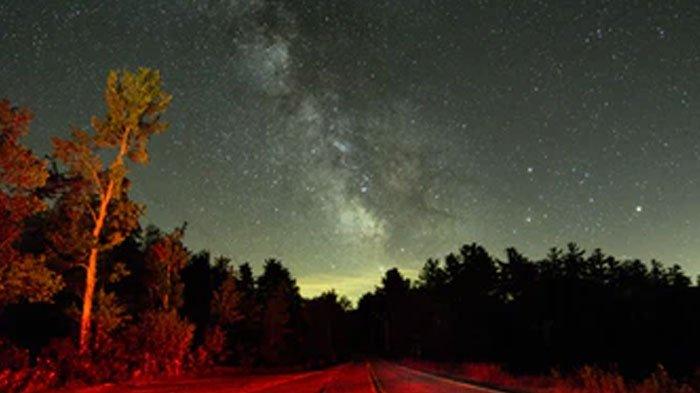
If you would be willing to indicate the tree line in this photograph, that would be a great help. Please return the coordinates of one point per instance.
(87, 294)
(565, 311)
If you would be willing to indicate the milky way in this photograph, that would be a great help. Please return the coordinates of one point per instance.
(346, 137)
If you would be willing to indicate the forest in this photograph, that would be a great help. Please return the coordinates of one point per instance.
(88, 294)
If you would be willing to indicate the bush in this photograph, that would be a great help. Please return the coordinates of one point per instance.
(215, 345)
(660, 381)
(488, 372)
(27, 380)
(16, 374)
(159, 344)
(210, 352)
(595, 380)
(12, 357)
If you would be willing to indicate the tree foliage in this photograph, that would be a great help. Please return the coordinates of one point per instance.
(166, 256)
(23, 276)
(226, 302)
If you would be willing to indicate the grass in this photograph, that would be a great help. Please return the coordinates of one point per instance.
(588, 379)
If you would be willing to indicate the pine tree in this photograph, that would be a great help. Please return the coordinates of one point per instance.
(166, 257)
(279, 298)
(134, 102)
(226, 302)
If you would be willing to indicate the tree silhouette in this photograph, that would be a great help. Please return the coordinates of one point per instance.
(566, 310)
(247, 332)
(327, 333)
(280, 304)
(199, 287)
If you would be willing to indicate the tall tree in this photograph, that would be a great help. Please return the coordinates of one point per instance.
(166, 256)
(397, 323)
(198, 278)
(279, 298)
(326, 332)
(246, 281)
(134, 103)
(22, 275)
(226, 302)
(248, 330)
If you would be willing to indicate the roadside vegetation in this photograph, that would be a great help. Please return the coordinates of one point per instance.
(587, 379)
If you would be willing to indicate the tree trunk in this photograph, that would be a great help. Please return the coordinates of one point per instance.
(86, 318)
(91, 271)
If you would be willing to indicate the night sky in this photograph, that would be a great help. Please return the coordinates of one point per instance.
(346, 137)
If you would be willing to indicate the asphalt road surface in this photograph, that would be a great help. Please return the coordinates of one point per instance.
(371, 377)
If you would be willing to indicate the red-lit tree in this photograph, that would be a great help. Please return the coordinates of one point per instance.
(22, 276)
(161, 339)
(166, 256)
(96, 201)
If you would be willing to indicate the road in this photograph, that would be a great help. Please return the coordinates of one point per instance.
(390, 378)
(371, 377)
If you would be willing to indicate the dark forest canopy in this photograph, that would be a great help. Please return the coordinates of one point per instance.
(156, 307)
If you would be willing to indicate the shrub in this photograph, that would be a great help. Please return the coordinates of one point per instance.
(159, 344)
(660, 381)
(595, 380)
(16, 374)
(487, 372)
(215, 344)
(210, 352)
(27, 380)
(12, 357)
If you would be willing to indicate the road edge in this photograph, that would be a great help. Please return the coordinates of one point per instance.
(374, 380)
(456, 379)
